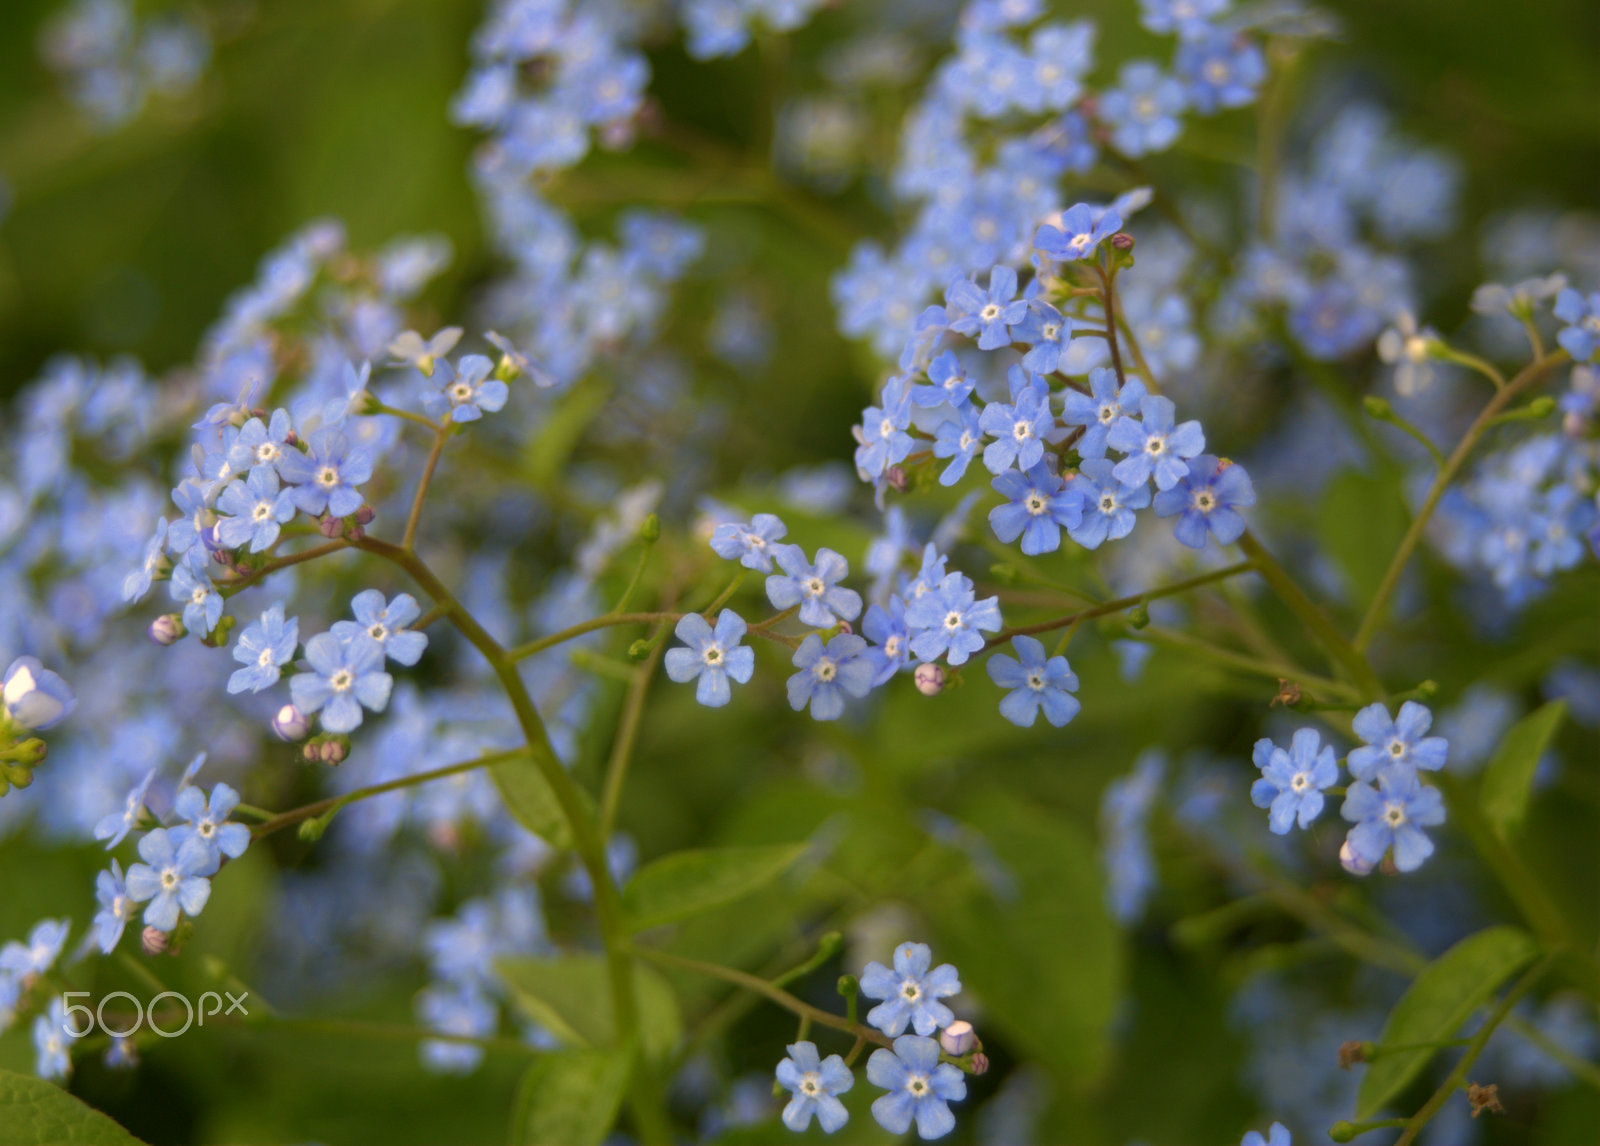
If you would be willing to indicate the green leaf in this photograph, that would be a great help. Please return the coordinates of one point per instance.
(570, 996)
(34, 1112)
(531, 800)
(1444, 995)
(689, 882)
(1509, 777)
(570, 1098)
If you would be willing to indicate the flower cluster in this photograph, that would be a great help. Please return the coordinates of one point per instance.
(112, 63)
(920, 1074)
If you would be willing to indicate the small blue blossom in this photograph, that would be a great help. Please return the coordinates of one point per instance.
(344, 678)
(1277, 1135)
(153, 564)
(1143, 109)
(25, 960)
(1080, 231)
(455, 1009)
(116, 908)
(172, 878)
(986, 314)
(1392, 816)
(828, 673)
(115, 826)
(958, 440)
(1107, 504)
(1045, 331)
(910, 992)
(1101, 408)
(1291, 782)
(1401, 744)
(326, 476)
(51, 1039)
(1186, 19)
(1154, 446)
(714, 656)
(1035, 683)
(951, 619)
(920, 1087)
(815, 1084)
(186, 535)
(815, 588)
(385, 622)
(1018, 431)
(264, 648)
(947, 383)
(466, 392)
(253, 511)
(882, 432)
(751, 544)
(1580, 337)
(410, 349)
(1207, 499)
(261, 445)
(1222, 70)
(890, 636)
(35, 698)
(207, 821)
(1124, 819)
(202, 604)
(1038, 506)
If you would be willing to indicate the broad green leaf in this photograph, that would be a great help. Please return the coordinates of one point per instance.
(570, 996)
(570, 1098)
(1444, 995)
(531, 801)
(1509, 778)
(34, 1112)
(689, 882)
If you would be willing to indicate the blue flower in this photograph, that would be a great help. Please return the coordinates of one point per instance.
(882, 432)
(1185, 18)
(202, 604)
(455, 1009)
(1401, 744)
(1154, 446)
(1581, 336)
(1107, 505)
(465, 392)
(172, 878)
(115, 827)
(814, 1082)
(958, 440)
(828, 673)
(261, 445)
(1038, 506)
(410, 349)
(950, 620)
(344, 678)
(1207, 498)
(1143, 110)
(385, 622)
(815, 588)
(51, 1038)
(750, 544)
(1291, 782)
(948, 382)
(116, 908)
(35, 698)
(713, 655)
(890, 636)
(326, 475)
(911, 992)
(1018, 431)
(1277, 1135)
(186, 535)
(986, 314)
(1392, 815)
(1036, 683)
(153, 564)
(1221, 70)
(1124, 817)
(1078, 234)
(207, 821)
(263, 649)
(23, 961)
(920, 1087)
(1101, 408)
(254, 510)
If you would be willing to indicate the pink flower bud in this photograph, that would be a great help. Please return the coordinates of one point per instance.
(290, 723)
(167, 630)
(958, 1038)
(929, 679)
(153, 941)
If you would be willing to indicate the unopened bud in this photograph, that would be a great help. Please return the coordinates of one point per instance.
(14, 776)
(167, 630)
(639, 649)
(1351, 862)
(848, 987)
(1138, 617)
(311, 753)
(980, 1063)
(365, 514)
(898, 480)
(1542, 406)
(334, 750)
(1377, 407)
(290, 724)
(153, 940)
(1353, 1051)
(843, 627)
(958, 1038)
(364, 403)
(929, 679)
(650, 531)
(1342, 1132)
(331, 527)
(29, 753)
(1122, 241)
(218, 637)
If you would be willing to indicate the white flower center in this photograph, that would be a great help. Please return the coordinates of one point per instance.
(1155, 444)
(1021, 431)
(199, 595)
(328, 476)
(990, 312)
(891, 647)
(825, 670)
(1397, 748)
(266, 453)
(266, 660)
(815, 587)
(1394, 815)
(917, 1084)
(1204, 501)
(1036, 680)
(712, 655)
(169, 879)
(952, 620)
(809, 1085)
(885, 428)
(1108, 503)
(1217, 71)
(1301, 781)
(460, 393)
(1036, 504)
(341, 680)
(378, 632)
(1079, 242)
(262, 511)
(909, 991)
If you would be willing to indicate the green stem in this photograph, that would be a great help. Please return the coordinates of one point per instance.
(1315, 620)
(1408, 544)
(1269, 669)
(605, 621)
(1475, 1048)
(638, 575)
(1108, 299)
(229, 588)
(408, 541)
(627, 736)
(1139, 363)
